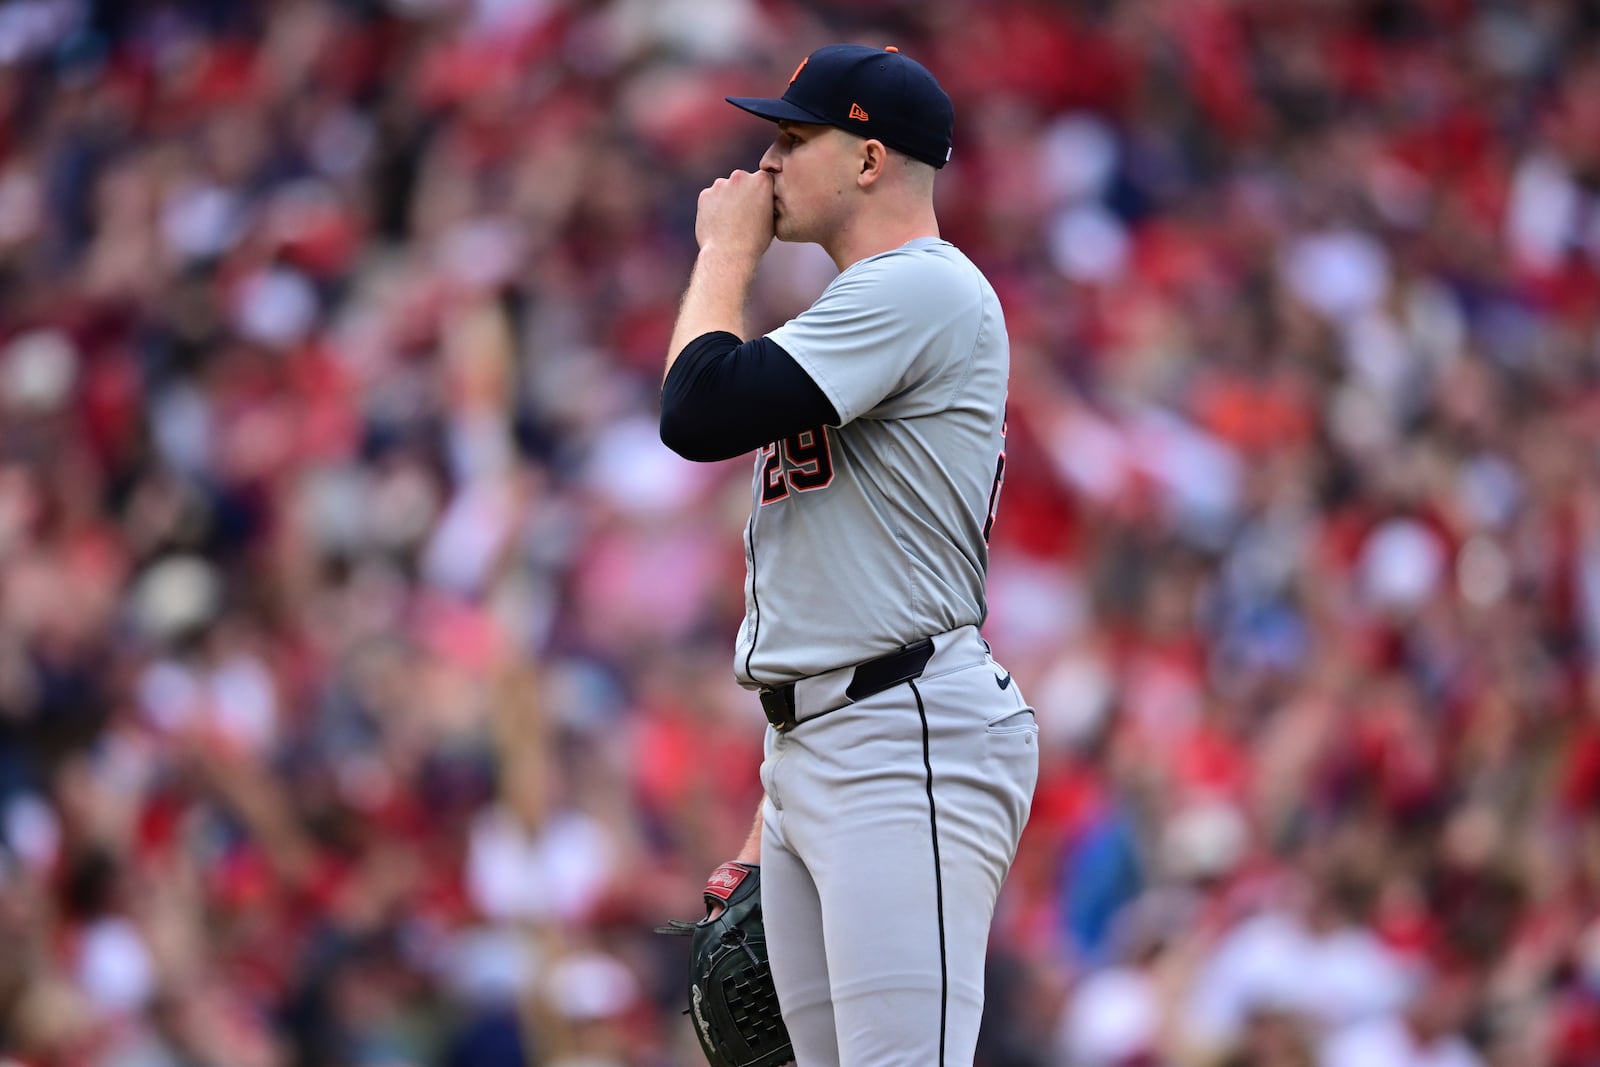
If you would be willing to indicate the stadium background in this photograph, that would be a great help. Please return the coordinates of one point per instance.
(364, 659)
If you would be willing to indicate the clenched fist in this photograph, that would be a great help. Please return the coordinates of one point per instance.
(735, 214)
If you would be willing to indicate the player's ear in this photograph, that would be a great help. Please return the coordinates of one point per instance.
(873, 159)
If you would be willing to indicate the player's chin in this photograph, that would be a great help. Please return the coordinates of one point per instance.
(785, 230)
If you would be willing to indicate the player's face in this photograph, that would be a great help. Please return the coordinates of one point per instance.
(813, 172)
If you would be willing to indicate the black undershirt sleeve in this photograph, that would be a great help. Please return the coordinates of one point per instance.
(723, 398)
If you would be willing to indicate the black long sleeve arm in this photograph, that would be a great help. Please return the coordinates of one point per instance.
(723, 398)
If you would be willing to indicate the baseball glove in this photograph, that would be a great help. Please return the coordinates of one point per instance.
(731, 997)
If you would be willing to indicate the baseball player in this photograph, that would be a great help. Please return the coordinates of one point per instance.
(900, 759)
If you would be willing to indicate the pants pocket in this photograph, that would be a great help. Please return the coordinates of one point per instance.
(1013, 722)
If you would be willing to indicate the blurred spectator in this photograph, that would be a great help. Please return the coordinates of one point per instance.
(1426, 1034)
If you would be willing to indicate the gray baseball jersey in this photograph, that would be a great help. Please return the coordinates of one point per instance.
(870, 535)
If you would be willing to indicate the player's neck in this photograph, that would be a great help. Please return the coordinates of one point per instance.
(870, 238)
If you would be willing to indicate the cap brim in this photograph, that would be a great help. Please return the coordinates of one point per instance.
(775, 110)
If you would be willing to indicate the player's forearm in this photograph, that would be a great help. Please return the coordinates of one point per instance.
(751, 852)
(714, 300)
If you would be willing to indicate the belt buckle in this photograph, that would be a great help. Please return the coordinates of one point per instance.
(779, 707)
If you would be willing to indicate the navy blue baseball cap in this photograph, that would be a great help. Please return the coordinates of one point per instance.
(871, 92)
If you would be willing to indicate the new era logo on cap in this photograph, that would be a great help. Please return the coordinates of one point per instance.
(871, 92)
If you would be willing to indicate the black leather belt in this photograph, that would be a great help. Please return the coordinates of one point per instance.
(873, 676)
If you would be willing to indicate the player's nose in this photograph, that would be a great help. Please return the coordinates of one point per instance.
(769, 159)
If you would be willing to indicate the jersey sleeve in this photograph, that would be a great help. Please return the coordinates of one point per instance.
(723, 398)
(889, 337)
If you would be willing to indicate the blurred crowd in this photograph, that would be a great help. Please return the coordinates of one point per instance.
(365, 661)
